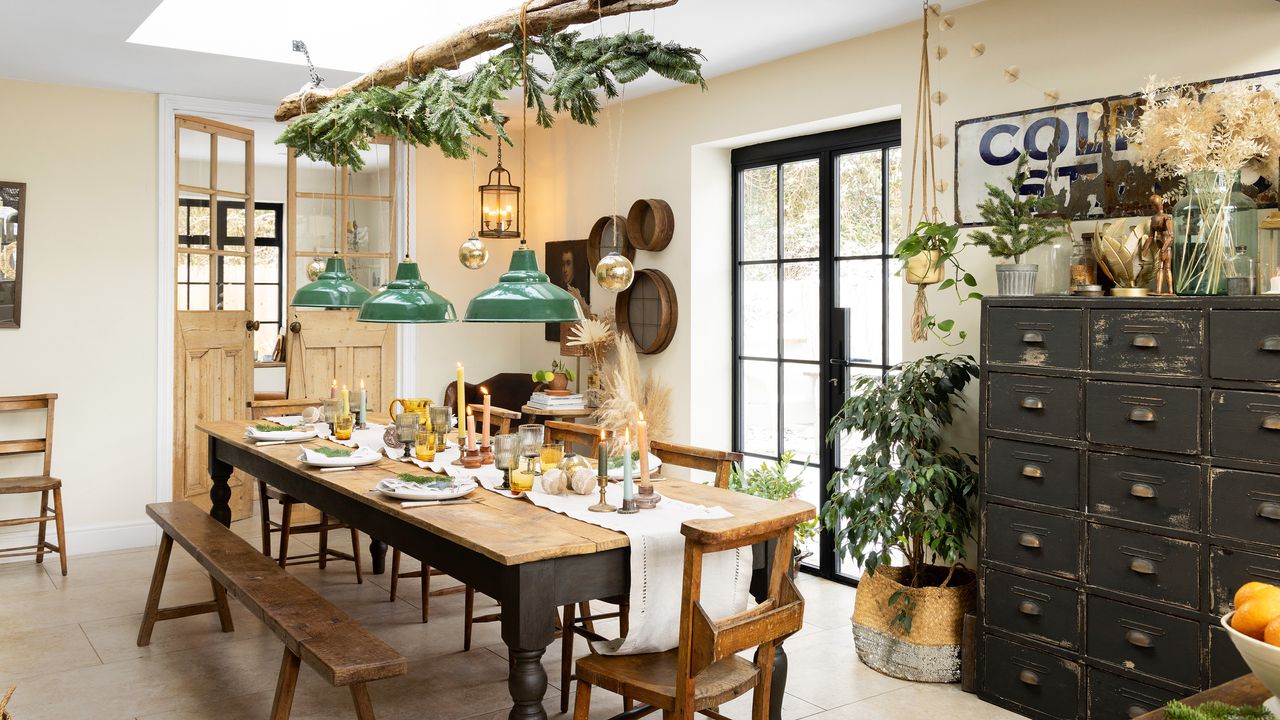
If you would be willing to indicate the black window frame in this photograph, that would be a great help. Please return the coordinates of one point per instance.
(833, 362)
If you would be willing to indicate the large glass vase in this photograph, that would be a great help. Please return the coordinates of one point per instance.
(1208, 223)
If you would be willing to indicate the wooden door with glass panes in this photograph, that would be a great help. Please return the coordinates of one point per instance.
(353, 214)
(214, 327)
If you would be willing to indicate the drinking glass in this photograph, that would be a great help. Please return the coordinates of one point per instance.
(522, 475)
(505, 452)
(342, 426)
(424, 445)
(332, 409)
(531, 439)
(551, 454)
(407, 427)
(441, 421)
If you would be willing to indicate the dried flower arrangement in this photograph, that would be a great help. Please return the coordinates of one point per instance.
(1187, 128)
(627, 393)
(594, 334)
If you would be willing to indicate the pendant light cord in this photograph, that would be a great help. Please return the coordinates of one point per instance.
(335, 202)
(407, 147)
(615, 141)
(524, 120)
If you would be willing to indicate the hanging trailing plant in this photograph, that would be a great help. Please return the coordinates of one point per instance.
(451, 111)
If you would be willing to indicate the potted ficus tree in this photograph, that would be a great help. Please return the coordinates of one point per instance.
(1018, 224)
(907, 497)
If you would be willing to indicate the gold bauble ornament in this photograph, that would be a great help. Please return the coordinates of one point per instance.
(314, 268)
(614, 272)
(473, 254)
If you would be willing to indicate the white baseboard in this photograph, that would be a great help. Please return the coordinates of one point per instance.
(92, 539)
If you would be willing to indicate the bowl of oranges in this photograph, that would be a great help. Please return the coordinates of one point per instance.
(1254, 627)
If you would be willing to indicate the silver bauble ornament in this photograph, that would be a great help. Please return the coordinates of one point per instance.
(614, 272)
(314, 268)
(473, 254)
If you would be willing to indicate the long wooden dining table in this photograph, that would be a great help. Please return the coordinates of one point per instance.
(530, 559)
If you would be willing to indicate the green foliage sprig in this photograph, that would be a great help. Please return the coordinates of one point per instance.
(1215, 711)
(943, 238)
(452, 111)
(905, 491)
(1018, 224)
(333, 452)
(773, 481)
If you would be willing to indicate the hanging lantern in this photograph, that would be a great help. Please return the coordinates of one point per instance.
(473, 254)
(615, 272)
(499, 204)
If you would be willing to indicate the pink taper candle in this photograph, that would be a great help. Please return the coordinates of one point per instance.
(333, 389)
(642, 442)
(485, 423)
(471, 430)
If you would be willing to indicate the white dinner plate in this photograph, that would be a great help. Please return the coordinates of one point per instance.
(451, 488)
(301, 434)
(654, 464)
(358, 458)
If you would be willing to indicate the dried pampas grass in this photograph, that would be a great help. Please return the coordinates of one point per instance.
(627, 394)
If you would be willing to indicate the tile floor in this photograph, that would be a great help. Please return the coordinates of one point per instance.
(69, 645)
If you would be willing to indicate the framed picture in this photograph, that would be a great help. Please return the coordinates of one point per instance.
(12, 221)
(568, 267)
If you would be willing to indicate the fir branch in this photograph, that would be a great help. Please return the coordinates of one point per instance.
(1018, 223)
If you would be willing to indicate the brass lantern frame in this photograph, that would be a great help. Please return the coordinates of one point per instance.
(499, 204)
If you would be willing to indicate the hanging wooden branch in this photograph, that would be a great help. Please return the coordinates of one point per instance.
(544, 16)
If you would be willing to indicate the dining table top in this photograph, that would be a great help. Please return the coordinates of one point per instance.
(511, 531)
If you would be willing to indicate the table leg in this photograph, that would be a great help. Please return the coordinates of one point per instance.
(528, 627)
(528, 684)
(220, 488)
(377, 555)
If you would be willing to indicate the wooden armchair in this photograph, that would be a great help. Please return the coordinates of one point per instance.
(507, 390)
(719, 462)
(500, 419)
(705, 671)
(582, 439)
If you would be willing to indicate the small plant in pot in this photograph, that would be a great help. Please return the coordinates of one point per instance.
(1018, 224)
(772, 481)
(925, 254)
(907, 496)
(557, 378)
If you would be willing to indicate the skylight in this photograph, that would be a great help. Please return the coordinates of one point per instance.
(340, 35)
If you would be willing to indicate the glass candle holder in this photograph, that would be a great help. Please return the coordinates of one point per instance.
(424, 445)
(342, 426)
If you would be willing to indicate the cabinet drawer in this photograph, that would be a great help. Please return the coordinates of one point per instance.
(1246, 425)
(1145, 641)
(1038, 610)
(1112, 697)
(1145, 565)
(1042, 474)
(1232, 568)
(1244, 344)
(1225, 663)
(1036, 541)
(1245, 506)
(1041, 405)
(1147, 342)
(1154, 417)
(1041, 338)
(1157, 492)
(1034, 679)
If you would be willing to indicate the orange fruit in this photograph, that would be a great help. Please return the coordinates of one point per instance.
(1272, 634)
(1250, 589)
(1256, 613)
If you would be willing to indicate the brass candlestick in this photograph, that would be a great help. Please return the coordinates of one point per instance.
(602, 506)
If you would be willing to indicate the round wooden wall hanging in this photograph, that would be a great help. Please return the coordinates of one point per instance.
(609, 234)
(650, 225)
(647, 311)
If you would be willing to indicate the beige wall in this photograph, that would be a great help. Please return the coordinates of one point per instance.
(89, 301)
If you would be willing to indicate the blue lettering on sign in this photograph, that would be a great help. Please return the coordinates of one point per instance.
(1073, 172)
(1030, 144)
(1035, 186)
(1083, 146)
(984, 145)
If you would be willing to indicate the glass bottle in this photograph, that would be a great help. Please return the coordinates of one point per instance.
(1240, 275)
(1084, 266)
(1208, 223)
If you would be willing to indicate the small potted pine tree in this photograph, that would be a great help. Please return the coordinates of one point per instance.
(1018, 224)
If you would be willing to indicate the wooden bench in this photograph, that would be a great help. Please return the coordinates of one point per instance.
(312, 628)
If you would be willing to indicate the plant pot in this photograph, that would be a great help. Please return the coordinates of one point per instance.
(924, 269)
(1016, 280)
(559, 382)
(931, 652)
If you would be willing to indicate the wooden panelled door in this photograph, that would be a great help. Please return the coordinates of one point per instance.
(213, 344)
(354, 214)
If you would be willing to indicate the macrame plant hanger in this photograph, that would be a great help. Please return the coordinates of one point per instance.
(922, 155)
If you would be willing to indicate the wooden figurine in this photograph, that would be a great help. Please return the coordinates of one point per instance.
(1162, 243)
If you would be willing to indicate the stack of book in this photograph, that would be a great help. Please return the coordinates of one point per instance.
(543, 401)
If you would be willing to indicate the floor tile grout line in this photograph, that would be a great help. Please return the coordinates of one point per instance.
(92, 647)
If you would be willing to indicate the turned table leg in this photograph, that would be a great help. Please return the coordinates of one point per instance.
(528, 628)
(377, 556)
(220, 488)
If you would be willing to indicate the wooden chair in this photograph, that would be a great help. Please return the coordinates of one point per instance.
(705, 670)
(719, 462)
(500, 419)
(582, 439)
(44, 483)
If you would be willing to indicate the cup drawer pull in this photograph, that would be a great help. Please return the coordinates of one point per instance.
(1271, 422)
(1270, 344)
(1145, 341)
(1142, 490)
(1029, 678)
(1032, 470)
(1269, 510)
(1031, 402)
(1029, 540)
(1137, 638)
(1142, 414)
(1142, 566)
(1029, 607)
(1032, 337)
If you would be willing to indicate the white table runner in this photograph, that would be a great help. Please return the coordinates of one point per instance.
(657, 567)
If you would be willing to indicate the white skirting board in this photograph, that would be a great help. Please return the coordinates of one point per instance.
(86, 540)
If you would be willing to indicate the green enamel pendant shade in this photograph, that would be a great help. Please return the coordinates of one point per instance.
(523, 294)
(334, 289)
(407, 299)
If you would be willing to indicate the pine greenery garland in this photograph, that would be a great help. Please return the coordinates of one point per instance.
(1017, 224)
(452, 111)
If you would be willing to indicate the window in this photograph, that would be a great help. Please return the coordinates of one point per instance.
(268, 271)
(815, 298)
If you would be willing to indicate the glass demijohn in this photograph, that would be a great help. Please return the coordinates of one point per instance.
(1208, 224)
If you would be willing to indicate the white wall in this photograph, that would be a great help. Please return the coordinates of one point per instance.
(88, 303)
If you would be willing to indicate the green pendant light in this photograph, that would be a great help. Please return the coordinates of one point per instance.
(407, 299)
(524, 294)
(335, 289)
